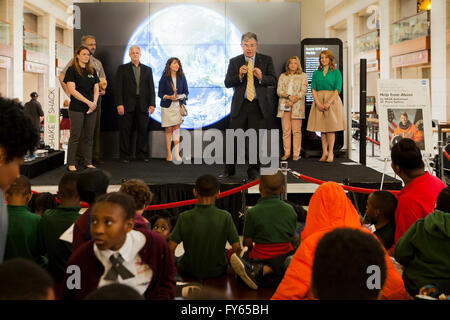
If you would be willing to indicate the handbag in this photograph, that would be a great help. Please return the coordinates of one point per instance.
(183, 110)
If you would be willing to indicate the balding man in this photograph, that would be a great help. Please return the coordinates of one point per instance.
(135, 99)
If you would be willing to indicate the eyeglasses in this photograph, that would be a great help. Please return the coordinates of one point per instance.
(246, 46)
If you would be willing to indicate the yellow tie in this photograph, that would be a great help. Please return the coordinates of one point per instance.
(250, 84)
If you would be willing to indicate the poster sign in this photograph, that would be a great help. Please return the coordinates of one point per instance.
(51, 120)
(404, 112)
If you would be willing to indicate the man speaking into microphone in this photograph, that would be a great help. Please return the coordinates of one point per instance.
(249, 75)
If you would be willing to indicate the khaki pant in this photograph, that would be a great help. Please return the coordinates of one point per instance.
(294, 125)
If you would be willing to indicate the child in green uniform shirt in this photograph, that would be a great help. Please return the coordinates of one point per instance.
(56, 221)
(269, 229)
(204, 232)
(25, 237)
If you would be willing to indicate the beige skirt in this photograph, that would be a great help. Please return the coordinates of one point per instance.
(327, 121)
(171, 116)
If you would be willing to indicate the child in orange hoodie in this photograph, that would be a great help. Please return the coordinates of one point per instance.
(329, 208)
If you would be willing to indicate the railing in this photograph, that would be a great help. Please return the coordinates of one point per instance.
(34, 42)
(368, 41)
(63, 52)
(412, 27)
(4, 32)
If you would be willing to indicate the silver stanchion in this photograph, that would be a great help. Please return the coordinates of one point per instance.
(284, 170)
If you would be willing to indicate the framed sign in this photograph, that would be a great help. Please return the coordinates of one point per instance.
(404, 112)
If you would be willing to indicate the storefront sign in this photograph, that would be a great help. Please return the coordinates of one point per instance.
(51, 122)
(5, 62)
(411, 59)
(33, 67)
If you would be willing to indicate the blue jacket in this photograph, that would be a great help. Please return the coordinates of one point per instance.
(165, 88)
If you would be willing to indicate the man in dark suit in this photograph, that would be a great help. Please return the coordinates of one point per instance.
(135, 99)
(249, 75)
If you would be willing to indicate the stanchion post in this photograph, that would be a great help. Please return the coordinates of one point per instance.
(284, 170)
(362, 110)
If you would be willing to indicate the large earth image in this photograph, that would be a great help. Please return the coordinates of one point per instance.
(204, 40)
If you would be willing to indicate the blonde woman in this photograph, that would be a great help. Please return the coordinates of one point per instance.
(292, 86)
(327, 112)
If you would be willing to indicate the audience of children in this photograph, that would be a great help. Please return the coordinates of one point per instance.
(117, 253)
(424, 249)
(329, 208)
(120, 258)
(41, 202)
(22, 279)
(417, 199)
(380, 211)
(269, 229)
(25, 235)
(342, 265)
(204, 231)
(56, 221)
(91, 184)
(14, 145)
(142, 196)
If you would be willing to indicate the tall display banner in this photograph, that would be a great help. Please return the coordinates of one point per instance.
(51, 120)
(404, 112)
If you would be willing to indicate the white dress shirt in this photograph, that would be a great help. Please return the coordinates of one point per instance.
(132, 261)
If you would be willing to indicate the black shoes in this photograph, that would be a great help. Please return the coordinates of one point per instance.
(248, 272)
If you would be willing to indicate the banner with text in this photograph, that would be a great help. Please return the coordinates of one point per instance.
(51, 119)
(404, 112)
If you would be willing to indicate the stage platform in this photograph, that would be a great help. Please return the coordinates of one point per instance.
(170, 182)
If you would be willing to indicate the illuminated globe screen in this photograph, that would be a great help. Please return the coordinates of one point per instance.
(204, 54)
(204, 36)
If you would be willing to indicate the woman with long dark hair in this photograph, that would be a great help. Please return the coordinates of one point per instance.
(82, 82)
(173, 91)
(327, 111)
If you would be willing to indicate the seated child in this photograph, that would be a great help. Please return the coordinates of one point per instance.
(424, 248)
(91, 184)
(270, 225)
(163, 223)
(301, 219)
(118, 254)
(142, 196)
(56, 221)
(341, 263)
(23, 279)
(25, 238)
(380, 212)
(44, 201)
(204, 232)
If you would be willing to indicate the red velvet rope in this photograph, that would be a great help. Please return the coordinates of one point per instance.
(447, 155)
(373, 141)
(348, 188)
(194, 201)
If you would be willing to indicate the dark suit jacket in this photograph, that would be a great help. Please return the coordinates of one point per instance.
(125, 88)
(269, 78)
(165, 88)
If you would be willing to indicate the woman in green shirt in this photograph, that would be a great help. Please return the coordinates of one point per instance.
(327, 112)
